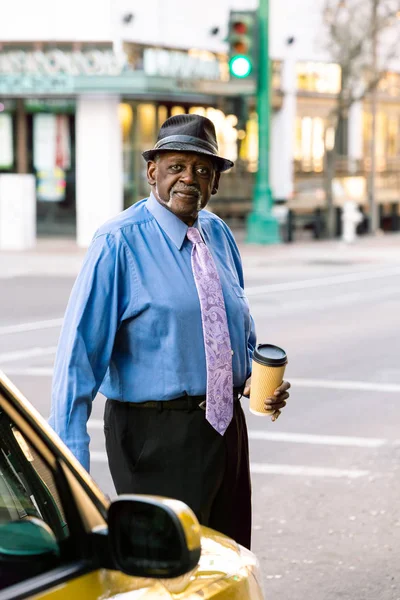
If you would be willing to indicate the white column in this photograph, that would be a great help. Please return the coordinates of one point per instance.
(99, 177)
(283, 123)
(17, 212)
(355, 134)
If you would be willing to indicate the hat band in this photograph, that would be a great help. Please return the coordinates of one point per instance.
(188, 139)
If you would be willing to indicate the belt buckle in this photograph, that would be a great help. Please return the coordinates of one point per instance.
(202, 405)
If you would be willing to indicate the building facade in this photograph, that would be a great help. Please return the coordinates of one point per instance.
(84, 91)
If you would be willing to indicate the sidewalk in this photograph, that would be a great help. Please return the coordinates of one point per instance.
(62, 257)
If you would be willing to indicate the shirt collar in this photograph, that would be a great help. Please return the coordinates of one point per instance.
(175, 229)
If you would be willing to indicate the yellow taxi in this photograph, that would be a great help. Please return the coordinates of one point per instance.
(61, 538)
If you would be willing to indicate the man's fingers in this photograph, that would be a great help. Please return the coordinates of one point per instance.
(246, 391)
(285, 385)
(279, 398)
(276, 405)
(275, 415)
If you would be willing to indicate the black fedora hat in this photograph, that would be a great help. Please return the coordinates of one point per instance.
(189, 133)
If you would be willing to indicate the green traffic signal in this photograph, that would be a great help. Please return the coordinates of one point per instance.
(240, 66)
(242, 43)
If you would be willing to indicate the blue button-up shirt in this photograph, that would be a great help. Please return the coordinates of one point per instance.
(132, 328)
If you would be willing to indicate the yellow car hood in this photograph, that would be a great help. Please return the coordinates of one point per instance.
(226, 571)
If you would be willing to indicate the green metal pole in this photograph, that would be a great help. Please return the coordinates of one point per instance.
(262, 226)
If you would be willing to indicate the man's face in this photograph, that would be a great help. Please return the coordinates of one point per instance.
(183, 182)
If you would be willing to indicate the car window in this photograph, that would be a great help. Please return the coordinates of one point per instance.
(32, 522)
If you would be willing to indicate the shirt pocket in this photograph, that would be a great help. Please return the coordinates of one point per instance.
(243, 304)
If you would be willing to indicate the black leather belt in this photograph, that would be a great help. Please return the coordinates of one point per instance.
(188, 403)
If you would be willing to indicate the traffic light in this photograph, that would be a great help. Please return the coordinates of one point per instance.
(242, 40)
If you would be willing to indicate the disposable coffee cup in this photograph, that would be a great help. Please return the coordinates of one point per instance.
(269, 363)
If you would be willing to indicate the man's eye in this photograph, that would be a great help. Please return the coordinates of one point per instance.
(175, 167)
(203, 171)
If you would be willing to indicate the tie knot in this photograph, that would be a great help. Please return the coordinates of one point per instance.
(193, 235)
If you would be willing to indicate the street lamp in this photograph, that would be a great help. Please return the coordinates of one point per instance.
(262, 226)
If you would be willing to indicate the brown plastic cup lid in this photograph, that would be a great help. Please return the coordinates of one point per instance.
(270, 355)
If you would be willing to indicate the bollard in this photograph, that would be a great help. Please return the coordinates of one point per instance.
(394, 213)
(351, 217)
(381, 216)
(318, 224)
(338, 218)
(290, 224)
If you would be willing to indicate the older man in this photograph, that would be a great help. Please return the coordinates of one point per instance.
(158, 322)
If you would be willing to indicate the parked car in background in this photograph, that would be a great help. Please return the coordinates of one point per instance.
(62, 538)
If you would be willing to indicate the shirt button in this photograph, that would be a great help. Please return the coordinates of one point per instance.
(232, 352)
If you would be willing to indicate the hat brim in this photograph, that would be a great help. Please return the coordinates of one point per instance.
(222, 164)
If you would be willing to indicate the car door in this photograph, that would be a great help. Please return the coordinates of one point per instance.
(58, 540)
(46, 517)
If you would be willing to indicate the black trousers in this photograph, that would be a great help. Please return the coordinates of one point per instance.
(176, 453)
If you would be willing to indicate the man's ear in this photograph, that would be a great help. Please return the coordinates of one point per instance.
(216, 183)
(151, 172)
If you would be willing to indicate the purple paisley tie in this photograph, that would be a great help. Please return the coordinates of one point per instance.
(219, 405)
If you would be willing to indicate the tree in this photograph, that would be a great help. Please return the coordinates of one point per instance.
(355, 42)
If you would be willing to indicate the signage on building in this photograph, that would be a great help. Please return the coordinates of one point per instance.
(25, 84)
(58, 72)
(56, 62)
(50, 105)
(24, 72)
(183, 65)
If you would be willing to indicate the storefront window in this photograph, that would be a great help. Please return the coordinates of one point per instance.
(6, 141)
(309, 143)
(367, 124)
(197, 110)
(177, 110)
(322, 78)
(393, 136)
(146, 120)
(126, 121)
(225, 127)
(162, 115)
(381, 140)
(387, 137)
(51, 155)
(226, 132)
(51, 158)
(249, 143)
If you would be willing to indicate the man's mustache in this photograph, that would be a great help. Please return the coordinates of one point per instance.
(187, 189)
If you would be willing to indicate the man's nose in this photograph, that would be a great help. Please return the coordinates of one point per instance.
(188, 175)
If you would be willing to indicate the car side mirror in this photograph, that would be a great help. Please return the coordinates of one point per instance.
(153, 536)
(29, 537)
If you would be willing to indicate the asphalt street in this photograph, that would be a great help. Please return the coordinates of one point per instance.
(326, 474)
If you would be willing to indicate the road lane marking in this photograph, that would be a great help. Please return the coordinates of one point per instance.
(325, 440)
(319, 282)
(304, 471)
(320, 304)
(332, 384)
(31, 326)
(250, 291)
(336, 384)
(95, 423)
(276, 469)
(296, 438)
(98, 457)
(30, 372)
(29, 353)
